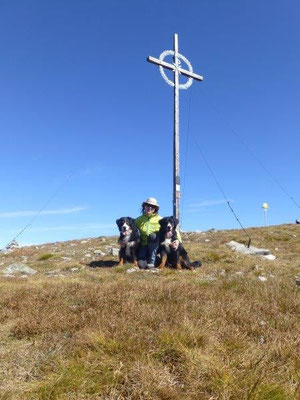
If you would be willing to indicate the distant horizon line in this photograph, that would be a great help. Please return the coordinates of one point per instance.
(182, 231)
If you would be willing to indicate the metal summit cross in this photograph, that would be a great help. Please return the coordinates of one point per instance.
(176, 68)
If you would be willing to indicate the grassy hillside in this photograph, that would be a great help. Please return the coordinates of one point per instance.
(82, 328)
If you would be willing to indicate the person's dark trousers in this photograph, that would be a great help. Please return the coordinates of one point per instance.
(147, 253)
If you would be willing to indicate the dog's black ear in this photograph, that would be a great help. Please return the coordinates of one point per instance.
(161, 221)
(176, 221)
(118, 221)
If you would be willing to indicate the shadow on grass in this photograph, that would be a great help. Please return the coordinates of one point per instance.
(103, 264)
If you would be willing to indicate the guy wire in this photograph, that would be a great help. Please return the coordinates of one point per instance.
(242, 140)
(222, 191)
(42, 208)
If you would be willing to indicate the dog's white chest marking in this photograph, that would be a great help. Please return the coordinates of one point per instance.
(166, 243)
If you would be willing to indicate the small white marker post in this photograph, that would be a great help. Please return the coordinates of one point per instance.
(265, 207)
(176, 68)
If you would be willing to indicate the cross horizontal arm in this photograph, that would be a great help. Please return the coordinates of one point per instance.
(156, 61)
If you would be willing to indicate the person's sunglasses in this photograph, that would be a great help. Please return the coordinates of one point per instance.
(150, 206)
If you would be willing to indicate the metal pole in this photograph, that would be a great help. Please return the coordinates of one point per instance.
(176, 178)
(265, 215)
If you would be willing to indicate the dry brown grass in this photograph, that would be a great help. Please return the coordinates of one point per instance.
(100, 333)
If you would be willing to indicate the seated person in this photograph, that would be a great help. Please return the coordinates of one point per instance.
(148, 225)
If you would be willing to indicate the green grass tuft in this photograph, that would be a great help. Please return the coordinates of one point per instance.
(44, 257)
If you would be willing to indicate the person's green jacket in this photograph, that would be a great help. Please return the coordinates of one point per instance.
(148, 225)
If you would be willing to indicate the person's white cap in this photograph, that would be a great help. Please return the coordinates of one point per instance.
(152, 201)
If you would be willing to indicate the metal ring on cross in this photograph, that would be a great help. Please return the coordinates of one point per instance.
(181, 57)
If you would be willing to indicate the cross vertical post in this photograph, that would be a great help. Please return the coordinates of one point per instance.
(176, 171)
(176, 69)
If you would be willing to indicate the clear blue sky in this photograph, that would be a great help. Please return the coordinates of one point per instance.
(77, 97)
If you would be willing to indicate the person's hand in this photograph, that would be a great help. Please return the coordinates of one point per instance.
(152, 237)
(175, 244)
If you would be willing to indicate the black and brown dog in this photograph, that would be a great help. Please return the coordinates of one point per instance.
(177, 258)
(129, 240)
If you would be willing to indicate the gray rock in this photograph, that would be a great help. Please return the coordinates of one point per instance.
(99, 252)
(261, 340)
(297, 280)
(270, 257)
(239, 273)
(12, 245)
(18, 268)
(114, 252)
(241, 248)
(262, 278)
(130, 270)
(153, 270)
